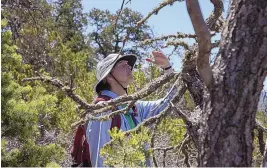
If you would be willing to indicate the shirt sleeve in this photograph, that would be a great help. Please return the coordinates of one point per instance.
(146, 109)
(97, 135)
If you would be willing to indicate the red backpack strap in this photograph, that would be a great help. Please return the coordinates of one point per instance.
(116, 120)
(80, 151)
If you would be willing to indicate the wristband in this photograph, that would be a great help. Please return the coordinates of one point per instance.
(167, 68)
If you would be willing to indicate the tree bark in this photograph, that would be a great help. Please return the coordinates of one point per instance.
(264, 161)
(228, 119)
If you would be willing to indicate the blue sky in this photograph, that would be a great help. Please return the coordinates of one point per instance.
(169, 20)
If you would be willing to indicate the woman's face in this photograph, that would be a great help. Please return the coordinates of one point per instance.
(122, 71)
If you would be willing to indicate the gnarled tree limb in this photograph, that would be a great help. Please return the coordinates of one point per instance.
(165, 38)
(139, 95)
(67, 90)
(204, 41)
(215, 20)
(264, 161)
(114, 102)
(177, 43)
(156, 10)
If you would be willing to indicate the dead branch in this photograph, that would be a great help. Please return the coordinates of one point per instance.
(124, 110)
(150, 120)
(264, 161)
(180, 92)
(156, 10)
(107, 117)
(183, 149)
(204, 41)
(215, 44)
(104, 118)
(139, 95)
(186, 157)
(165, 38)
(164, 158)
(177, 43)
(185, 141)
(183, 116)
(117, 18)
(260, 126)
(114, 102)
(167, 148)
(261, 141)
(152, 142)
(192, 122)
(215, 21)
(67, 90)
(145, 123)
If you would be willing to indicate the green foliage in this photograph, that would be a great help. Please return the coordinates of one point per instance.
(130, 151)
(189, 103)
(141, 80)
(261, 116)
(66, 115)
(107, 39)
(52, 164)
(31, 155)
(174, 128)
(48, 37)
(22, 109)
(71, 22)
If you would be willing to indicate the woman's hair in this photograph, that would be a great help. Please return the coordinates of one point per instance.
(104, 85)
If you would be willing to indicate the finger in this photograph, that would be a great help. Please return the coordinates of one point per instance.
(150, 60)
(161, 54)
(155, 53)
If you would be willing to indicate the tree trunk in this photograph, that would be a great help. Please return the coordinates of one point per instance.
(226, 129)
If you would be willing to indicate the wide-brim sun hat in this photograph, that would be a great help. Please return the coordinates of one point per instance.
(105, 66)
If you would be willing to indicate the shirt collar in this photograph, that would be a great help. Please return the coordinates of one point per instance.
(112, 95)
(109, 93)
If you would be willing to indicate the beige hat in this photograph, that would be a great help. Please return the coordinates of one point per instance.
(105, 66)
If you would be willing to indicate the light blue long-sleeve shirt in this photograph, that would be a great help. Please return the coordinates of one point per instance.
(97, 132)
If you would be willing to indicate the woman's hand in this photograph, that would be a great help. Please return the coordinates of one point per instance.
(159, 59)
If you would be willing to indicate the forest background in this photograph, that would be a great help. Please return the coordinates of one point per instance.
(65, 39)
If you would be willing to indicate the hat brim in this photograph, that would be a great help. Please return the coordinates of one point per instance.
(131, 58)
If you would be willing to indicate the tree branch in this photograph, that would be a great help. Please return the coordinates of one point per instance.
(183, 149)
(124, 110)
(260, 126)
(204, 41)
(177, 43)
(215, 44)
(215, 20)
(104, 105)
(261, 142)
(117, 18)
(67, 90)
(139, 95)
(106, 117)
(152, 143)
(145, 123)
(156, 10)
(99, 44)
(165, 38)
(184, 117)
(264, 161)
(180, 91)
